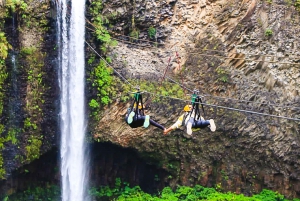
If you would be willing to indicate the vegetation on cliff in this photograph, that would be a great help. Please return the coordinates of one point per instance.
(4, 46)
(101, 83)
(123, 192)
(26, 34)
(181, 193)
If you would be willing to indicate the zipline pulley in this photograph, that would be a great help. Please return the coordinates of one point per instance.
(137, 104)
(195, 100)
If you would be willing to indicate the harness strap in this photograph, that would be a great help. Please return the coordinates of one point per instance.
(195, 103)
(137, 98)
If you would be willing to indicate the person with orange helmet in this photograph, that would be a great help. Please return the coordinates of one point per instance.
(188, 120)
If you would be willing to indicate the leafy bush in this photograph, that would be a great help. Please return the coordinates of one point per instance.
(16, 5)
(103, 79)
(182, 193)
(268, 195)
(134, 34)
(99, 21)
(268, 32)
(48, 193)
(123, 192)
(297, 5)
(4, 46)
(151, 32)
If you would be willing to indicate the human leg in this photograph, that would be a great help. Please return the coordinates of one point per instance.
(130, 117)
(189, 126)
(205, 123)
(200, 124)
(154, 123)
(212, 125)
(146, 122)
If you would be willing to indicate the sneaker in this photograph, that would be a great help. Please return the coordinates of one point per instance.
(212, 125)
(147, 121)
(130, 117)
(189, 126)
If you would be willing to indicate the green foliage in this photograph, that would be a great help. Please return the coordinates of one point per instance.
(123, 192)
(16, 5)
(103, 82)
(268, 32)
(91, 60)
(33, 148)
(268, 195)
(165, 89)
(95, 107)
(28, 50)
(29, 125)
(48, 193)
(94, 104)
(224, 175)
(101, 77)
(12, 135)
(4, 46)
(151, 32)
(2, 170)
(134, 34)
(297, 5)
(105, 191)
(222, 74)
(3, 76)
(34, 101)
(99, 21)
(182, 193)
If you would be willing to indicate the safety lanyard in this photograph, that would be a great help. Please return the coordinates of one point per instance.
(137, 98)
(195, 103)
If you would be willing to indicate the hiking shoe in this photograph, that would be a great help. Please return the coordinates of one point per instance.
(147, 121)
(212, 125)
(130, 117)
(189, 126)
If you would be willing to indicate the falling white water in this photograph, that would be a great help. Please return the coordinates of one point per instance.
(71, 63)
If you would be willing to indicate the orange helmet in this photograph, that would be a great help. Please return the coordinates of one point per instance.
(140, 105)
(187, 108)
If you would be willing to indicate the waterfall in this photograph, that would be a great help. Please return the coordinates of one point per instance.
(71, 26)
(14, 100)
(14, 91)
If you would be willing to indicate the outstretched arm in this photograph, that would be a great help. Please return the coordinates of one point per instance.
(177, 124)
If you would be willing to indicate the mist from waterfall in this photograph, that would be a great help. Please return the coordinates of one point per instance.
(71, 27)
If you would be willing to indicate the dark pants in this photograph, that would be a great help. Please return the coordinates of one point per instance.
(138, 121)
(200, 124)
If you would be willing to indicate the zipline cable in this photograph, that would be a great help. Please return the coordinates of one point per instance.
(119, 74)
(109, 64)
(270, 104)
(157, 44)
(217, 97)
(227, 108)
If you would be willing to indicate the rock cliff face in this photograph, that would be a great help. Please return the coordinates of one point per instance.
(239, 54)
(29, 116)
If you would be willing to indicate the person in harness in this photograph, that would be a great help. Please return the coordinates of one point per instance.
(192, 119)
(136, 117)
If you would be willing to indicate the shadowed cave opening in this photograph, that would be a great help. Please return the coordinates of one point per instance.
(107, 162)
